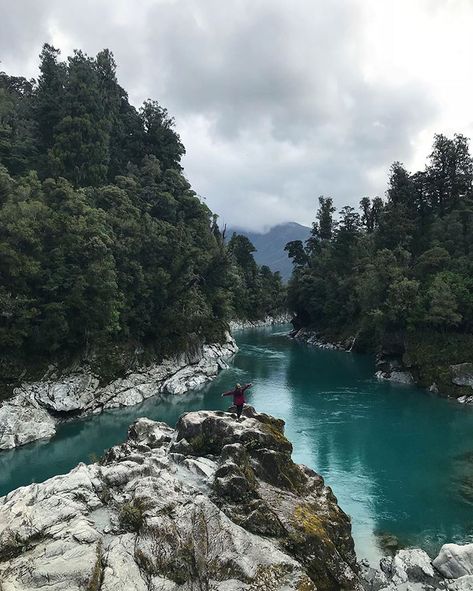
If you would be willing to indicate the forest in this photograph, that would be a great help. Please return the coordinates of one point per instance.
(400, 266)
(102, 238)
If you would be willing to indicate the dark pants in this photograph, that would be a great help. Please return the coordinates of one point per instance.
(239, 408)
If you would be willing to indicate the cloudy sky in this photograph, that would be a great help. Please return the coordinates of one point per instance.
(277, 101)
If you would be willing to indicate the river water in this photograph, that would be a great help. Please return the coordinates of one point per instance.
(399, 460)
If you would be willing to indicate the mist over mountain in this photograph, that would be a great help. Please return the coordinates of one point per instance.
(270, 245)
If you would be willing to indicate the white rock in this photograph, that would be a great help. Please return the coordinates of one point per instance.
(121, 572)
(411, 565)
(465, 399)
(455, 561)
(148, 518)
(462, 584)
(462, 374)
(71, 394)
(22, 420)
(268, 321)
(399, 377)
(25, 416)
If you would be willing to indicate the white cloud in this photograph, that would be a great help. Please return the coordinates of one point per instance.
(277, 102)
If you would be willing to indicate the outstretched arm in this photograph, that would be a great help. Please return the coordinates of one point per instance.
(246, 387)
(229, 393)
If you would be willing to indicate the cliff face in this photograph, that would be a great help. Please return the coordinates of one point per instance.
(36, 407)
(212, 504)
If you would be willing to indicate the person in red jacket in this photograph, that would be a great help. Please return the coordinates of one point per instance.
(238, 396)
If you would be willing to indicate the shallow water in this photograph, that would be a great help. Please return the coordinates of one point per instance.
(399, 460)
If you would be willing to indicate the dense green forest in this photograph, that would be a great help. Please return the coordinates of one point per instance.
(400, 266)
(102, 238)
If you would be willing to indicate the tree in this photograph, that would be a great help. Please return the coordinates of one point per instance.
(324, 226)
(403, 265)
(442, 305)
(81, 138)
(49, 97)
(295, 251)
(402, 301)
(18, 148)
(160, 139)
(400, 189)
(371, 210)
(449, 175)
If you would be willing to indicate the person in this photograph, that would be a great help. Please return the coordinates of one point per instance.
(238, 394)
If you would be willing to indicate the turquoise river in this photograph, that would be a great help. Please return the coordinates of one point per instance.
(399, 460)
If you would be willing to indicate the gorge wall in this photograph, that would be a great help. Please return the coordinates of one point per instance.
(36, 407)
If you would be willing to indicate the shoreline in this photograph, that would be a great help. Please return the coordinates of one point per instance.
(409, 566)
(268, 321)
(388, 368)
(36, 408)
(201, 464)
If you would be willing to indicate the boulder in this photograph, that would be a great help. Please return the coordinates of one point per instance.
(411, 565)
(455, 561)
(409, 570)
(399, 377)
(462, 584)
(462, 374)
(465, 399)
(23, 420)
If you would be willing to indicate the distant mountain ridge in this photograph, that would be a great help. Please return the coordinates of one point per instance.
(270, 245)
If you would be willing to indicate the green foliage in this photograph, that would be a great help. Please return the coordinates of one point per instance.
(104, 246)
(76, 122)
(131, 515)
(80, 267)
(404, 264)
(256, 292)
(17, 127)
(432, 352)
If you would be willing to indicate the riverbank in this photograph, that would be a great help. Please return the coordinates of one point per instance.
(443, 365)
(214, 502)
(36, 408)
(268, 321)
(357, 431)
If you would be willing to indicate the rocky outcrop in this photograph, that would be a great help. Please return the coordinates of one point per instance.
(455, 561)
(23, 419)
(322, 342)
(390, 364)
(216, 503)
(268, 321)
(412, 570)
(393, 374)
(462, 374)
(36, 407)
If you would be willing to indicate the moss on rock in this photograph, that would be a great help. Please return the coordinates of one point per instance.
(430, 355)
(307, 520)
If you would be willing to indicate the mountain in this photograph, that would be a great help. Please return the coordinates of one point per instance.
(270, 245)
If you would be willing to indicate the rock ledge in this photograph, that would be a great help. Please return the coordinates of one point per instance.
(213, 504)
(36, 407)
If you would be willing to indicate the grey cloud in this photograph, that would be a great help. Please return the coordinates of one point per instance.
(22, 27)
(269, 96)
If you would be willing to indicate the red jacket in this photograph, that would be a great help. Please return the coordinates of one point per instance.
(238, 394)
